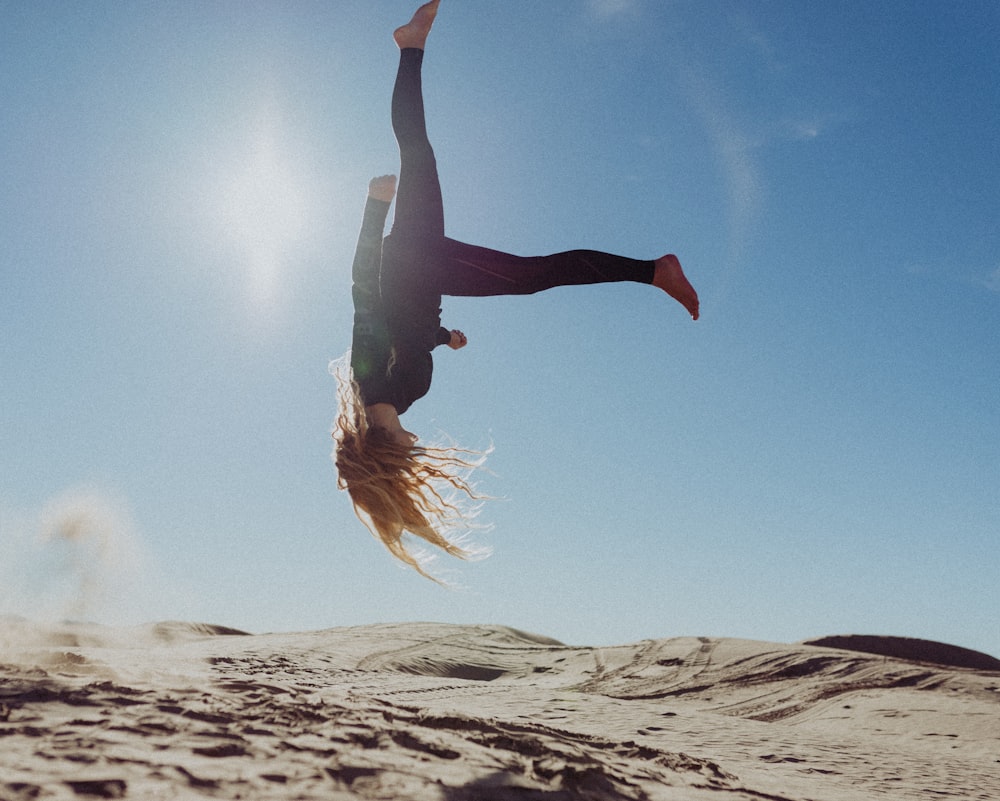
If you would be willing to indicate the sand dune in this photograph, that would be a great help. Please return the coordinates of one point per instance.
(431, 711)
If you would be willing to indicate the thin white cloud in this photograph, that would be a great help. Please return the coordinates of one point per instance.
(806, 129)
(799, 126)
(756, 40)
(952, 273)
(734, 150)
(809, 125)
(606, 9)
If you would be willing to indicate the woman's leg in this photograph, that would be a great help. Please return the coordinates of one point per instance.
(456, 268)
(419, 209)
(468, 270)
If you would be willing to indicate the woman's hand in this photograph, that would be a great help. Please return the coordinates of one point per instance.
(382, 188)
(458, 340)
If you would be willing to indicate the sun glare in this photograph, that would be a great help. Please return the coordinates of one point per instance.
(263, 205)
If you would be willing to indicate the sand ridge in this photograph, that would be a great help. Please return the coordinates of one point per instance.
(425, 710)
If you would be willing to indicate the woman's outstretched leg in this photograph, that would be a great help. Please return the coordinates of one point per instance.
(419, 208)
(457, 268)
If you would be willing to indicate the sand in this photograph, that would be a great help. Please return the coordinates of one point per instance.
(432, 711)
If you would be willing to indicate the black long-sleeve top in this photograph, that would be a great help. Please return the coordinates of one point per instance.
(394, 333)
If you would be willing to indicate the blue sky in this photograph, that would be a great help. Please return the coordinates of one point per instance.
(181, 191)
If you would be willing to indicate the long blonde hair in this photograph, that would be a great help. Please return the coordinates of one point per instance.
(397, 488)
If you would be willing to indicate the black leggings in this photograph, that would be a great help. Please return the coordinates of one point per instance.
(417, 252)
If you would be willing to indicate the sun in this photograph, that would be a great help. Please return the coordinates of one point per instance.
(262, 204)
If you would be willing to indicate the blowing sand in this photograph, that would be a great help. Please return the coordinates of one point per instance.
(431, 711)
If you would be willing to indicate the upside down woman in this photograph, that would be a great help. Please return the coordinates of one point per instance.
(395, 484)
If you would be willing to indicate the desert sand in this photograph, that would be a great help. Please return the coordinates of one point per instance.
(432, 711)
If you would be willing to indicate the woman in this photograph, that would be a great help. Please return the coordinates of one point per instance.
(395, 484)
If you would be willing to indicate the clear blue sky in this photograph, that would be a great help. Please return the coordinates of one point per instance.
(180, 193)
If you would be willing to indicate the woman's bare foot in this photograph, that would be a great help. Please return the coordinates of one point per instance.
(382, 187)
(669, 277)
(414, 33)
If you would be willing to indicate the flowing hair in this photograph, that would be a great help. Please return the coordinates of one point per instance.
(396, 488)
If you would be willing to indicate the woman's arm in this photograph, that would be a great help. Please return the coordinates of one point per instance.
(454, 339)
(370, 341)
